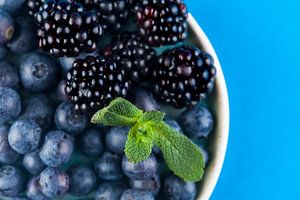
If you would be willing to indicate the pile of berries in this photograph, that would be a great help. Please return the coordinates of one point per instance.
(55, 73)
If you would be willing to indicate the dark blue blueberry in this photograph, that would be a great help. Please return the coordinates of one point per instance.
(33, 163)
(174, 124)
(197, 123)
(7, 27)
(57, 149)
(10, 104)
(61, 95)
(135, 194)
(177, 189)
(25, 136)
(8, 75)
(204, 153)
(38, 72)
(70, 120)
(33, 191)
(142, 170)
(116, 138)
(53, 182)
(13, 8)
(150, 184)
(11, 181)
(3, 52)
(40, 109)
(24, 39)
(108, 167)
(91, 142)
(7, 154)
(143, 99)
(82, 180)
(110, 191)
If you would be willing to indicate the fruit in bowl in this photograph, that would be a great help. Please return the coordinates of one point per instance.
(121, 100)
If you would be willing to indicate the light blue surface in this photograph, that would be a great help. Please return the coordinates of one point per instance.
(258, 43)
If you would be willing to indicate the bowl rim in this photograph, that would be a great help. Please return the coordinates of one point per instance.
(221, 133)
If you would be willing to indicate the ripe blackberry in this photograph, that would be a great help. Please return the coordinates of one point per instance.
(67, 28)
(129, 49)
(33, 6)
(92, 83)
(184, 76)
(162, 22)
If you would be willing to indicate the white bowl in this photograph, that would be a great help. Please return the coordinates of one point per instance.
(219, 101)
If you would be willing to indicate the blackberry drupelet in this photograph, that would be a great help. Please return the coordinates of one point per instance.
(129, 49)
(184, 76)
(67, 28)
(162, 22)
(92, 83)
(33, 6)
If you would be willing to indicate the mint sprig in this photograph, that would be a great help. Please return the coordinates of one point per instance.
(182, 156)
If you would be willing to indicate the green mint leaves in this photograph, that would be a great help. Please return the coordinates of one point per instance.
(182, 156)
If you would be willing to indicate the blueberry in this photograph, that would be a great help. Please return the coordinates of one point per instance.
(7, 27)
(33, 191)
(24, 39)
(91, 142)
(108, 167)
(204, 153)
(70, 120)
(3, 52)
(177, 189)
(12, 8)
(197, 123)
(25, 136)
(57, 149)
(174, 124)
(11, 181)
(116, 138)
(38, 72)
(53, 182)
(33, 163)
(134, 194)
(60, 91)
(110, 191)
(82, 180)
(40, 109)
(10, 104)
(7, 154)
(142, 170)
(150, 184)
(143, 99)
(8, 75)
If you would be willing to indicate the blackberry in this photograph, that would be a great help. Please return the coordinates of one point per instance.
(129, 49)
(92, 83)
(33, 6)
(184, 76)
(162, 22)
(67, 28)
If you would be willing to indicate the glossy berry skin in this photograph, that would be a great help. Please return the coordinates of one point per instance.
(92, 83)
(8, 75)
(108, 167)
(10, 104)
(135, 194)
(142, 170)
(3, 52)
(53, 182)
(116, 138)
(143, 99)
(33, 190)
(57, 149)
(133, 53)
(91, 142)
(7, 154)
(12, 8)
(11, 181)
(33, 163)
(7, 27)
(82, 180)
(110, 191)
(70, 120)
(25, 136)
(38, 72)
(150, 184)
(66, 28)
(197, 122)
(162, 22)
(60, 93)
(177, 189)
(184, 76)
(33, 6)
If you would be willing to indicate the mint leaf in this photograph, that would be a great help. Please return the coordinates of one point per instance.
(154, 116)
(119, 112)
(139, 143)
(182, 156)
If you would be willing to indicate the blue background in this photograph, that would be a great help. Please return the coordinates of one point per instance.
(258, 43)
